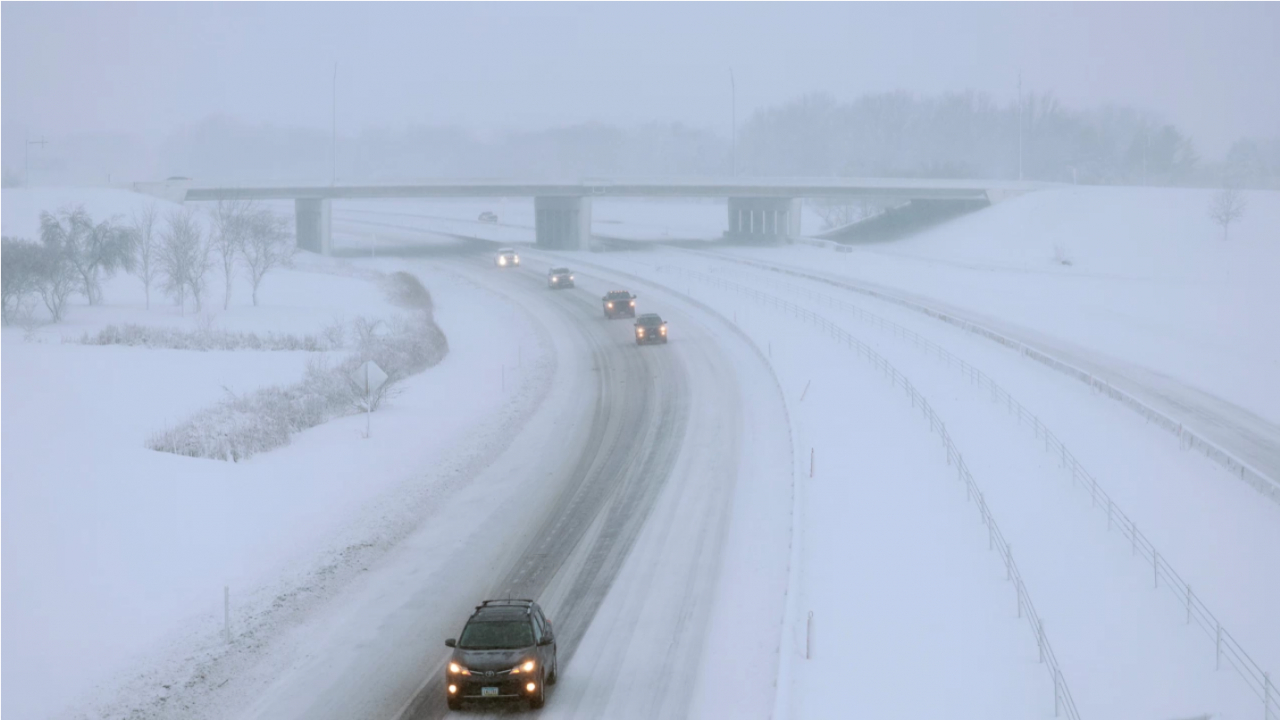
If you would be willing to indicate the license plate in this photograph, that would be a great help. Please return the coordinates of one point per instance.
(488, 692)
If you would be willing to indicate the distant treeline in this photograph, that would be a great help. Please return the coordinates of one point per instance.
(888, 134)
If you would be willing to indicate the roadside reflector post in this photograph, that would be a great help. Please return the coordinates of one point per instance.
(367, 379)
(808, 637)
(811, 454)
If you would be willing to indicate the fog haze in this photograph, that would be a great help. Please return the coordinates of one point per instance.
(149, 69)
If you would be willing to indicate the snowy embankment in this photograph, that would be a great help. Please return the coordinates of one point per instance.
(1212, 530)
(1152, 287)
(117, 556)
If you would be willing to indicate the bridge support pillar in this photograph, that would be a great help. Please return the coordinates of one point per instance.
(562, 223)
(314, 225)
(762, 221)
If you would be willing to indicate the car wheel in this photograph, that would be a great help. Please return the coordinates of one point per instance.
(555, 670)
(539, 699)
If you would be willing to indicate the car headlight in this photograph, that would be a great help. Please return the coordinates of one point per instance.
(633, 303)
(609, 305)
(664, 331)
(457, 669)
(502, 261)
(527, 666)
(640, 332)
(570, 277)
(555, 280)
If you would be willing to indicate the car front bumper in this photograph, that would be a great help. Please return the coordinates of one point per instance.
(502, 687)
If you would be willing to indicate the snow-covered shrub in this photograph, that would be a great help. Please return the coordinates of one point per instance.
(242, 425)
(207, 337)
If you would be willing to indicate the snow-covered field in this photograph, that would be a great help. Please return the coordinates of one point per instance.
(718, 577)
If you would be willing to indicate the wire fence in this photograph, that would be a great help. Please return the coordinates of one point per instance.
(1187, 437)
(1063, 701)
(1226, 646)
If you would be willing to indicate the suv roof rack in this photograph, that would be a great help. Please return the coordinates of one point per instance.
(516, 602)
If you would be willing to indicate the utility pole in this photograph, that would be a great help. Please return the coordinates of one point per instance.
(1019, 126)
(335, 123)
(26, 163)
(733, 152)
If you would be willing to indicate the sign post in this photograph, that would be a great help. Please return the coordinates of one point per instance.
(368, 378)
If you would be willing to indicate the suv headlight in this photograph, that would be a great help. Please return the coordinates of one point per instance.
(457, 669)
(524, 667)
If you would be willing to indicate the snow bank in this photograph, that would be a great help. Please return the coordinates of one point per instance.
(1152, 283)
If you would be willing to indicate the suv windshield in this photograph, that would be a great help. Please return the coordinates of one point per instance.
(623, 295)
(559, 271)
(649, 320)
(496, 635)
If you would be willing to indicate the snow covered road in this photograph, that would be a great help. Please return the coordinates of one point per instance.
(651, 480)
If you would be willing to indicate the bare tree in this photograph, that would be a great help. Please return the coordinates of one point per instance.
(182, 256)
(1227, 207)
(56, 275)
(267, 244)
(19, 275)
(230, 217)
(145, 244)
(91, 248)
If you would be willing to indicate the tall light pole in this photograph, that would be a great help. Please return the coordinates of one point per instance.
(335, 123)
(733, 151)
(26, 162)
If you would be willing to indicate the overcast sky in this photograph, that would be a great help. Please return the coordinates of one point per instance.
(148, 68)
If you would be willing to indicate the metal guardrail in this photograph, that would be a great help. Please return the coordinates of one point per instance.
(1063, 701)
(1266, 485)
(1226, 646)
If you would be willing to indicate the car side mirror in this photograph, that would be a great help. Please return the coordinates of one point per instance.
(546, 640)
(451, 642)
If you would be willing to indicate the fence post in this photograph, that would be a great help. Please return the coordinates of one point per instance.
(1217, 660)
(1040, 637)
(1057, 692)
(1155, 566)
(1266, 696)
(1019, 587)
(1008, 561)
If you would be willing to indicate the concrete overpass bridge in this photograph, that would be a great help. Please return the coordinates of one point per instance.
(761, 210)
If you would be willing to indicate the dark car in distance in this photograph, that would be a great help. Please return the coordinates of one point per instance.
(559, 278)
(507, 651)
(650, 328)
(619, 303)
